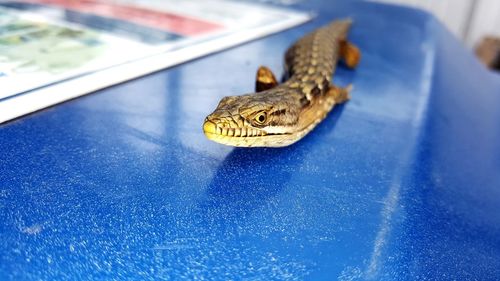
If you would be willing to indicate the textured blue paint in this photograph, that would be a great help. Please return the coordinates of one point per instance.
(400, 183)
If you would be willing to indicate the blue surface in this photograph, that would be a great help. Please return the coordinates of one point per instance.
(400, 183)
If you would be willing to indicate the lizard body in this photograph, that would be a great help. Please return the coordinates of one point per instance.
(281, 114)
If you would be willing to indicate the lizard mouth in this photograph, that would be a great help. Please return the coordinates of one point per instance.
(245, 137)
(211, 129)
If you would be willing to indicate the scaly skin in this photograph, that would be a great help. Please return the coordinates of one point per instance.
(280, 115)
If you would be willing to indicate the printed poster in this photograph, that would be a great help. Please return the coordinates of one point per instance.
(55, 50)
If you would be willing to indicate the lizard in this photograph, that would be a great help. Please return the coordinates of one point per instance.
(278, 115)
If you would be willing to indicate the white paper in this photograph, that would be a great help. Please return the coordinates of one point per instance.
(46, 59)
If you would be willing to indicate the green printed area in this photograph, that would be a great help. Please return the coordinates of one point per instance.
(29, 46)
(20, 26)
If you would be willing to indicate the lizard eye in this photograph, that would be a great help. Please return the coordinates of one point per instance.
(260, 118)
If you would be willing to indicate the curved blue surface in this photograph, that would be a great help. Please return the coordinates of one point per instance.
(400, 183)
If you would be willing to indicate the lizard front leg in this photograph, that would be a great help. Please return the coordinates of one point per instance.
(265, 79)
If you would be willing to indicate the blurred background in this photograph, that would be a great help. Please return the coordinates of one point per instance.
(475, 22)
(469, 20)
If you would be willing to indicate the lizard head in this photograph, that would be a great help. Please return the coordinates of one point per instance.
(252, 120)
